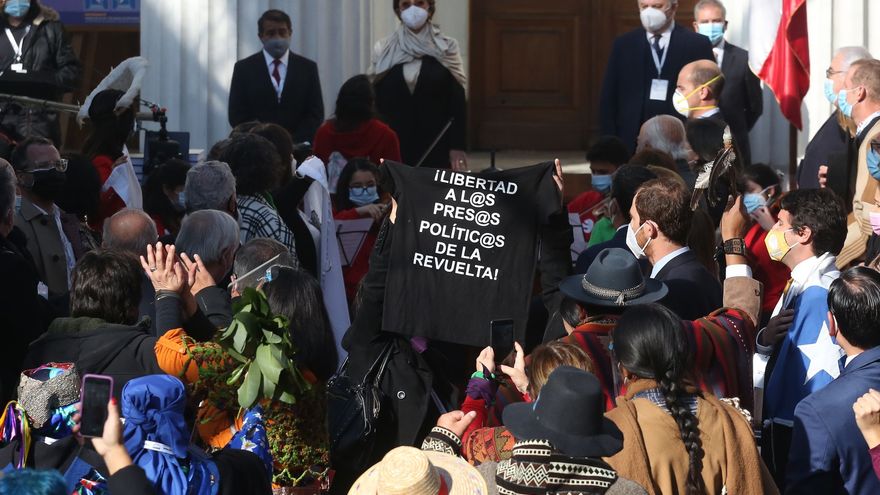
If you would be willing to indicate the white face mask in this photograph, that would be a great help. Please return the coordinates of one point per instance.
(681, 104)
(632, 241)
(653, 19)
(414, 17)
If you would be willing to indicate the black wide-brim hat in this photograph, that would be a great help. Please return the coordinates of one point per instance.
(568, 413)
(614, 279)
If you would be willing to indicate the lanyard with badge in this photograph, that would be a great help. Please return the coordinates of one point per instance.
(659, 87)
(17, 48)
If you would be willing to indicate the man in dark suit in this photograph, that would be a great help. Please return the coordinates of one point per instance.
(828, 454)
(741, 99)
(624, 184)
(831, 145)
(642, 69)
(661, 219)
(275, 85)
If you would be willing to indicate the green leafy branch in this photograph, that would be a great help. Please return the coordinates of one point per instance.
(260, 342)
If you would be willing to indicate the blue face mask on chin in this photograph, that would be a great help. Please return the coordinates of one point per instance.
(712, 30)
(361, 196)
(845, 107)
(17, 8)
(602, 183)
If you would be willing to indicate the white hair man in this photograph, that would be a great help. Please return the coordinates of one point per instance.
(667, 134)
(643, 67)
(826, 153)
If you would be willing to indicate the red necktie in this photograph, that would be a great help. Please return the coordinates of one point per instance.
(275, 74)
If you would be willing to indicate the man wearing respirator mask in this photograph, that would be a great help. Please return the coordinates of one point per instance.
(696, 93)
(741, 100)
(634, 92)
(34, 50)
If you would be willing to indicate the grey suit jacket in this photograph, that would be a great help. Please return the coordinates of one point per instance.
(45, 246)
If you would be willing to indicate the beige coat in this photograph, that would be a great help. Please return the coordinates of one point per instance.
(655, 457)
(858, 223)
(45, 246)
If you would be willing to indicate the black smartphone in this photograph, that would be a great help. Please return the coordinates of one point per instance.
(501, 338)
(96, 391)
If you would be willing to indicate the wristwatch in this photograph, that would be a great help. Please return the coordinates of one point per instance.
(735, 246)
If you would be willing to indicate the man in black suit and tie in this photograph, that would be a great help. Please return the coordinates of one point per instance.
(643, 67)
(661, 218)
(741, 99)
(275, 85)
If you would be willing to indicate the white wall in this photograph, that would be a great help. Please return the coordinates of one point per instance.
(192, 46)
(832, 24)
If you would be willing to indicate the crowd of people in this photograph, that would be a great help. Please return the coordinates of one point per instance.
(713, 337)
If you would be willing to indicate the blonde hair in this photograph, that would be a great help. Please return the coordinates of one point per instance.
(547, 357)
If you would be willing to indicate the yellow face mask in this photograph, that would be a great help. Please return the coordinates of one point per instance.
(777, 246)
(680, 101)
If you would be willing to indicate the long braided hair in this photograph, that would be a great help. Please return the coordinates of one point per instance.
(649, 342)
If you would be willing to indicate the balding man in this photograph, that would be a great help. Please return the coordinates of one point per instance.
(667, 134)
(131, 230)
(642, 69)
(741, 101)
(698, 89)
(860, 100)
(830, 145)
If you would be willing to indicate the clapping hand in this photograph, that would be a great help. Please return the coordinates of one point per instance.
(165, 272)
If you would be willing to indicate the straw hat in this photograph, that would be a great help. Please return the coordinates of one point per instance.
(410, 471)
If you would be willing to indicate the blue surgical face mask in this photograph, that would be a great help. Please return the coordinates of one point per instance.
(753, 201)
(17, 203)
(602, 183)
(363, 195)
(17, 8)
(873, 163)
(712, 30)
(844, 105)
(829, 91)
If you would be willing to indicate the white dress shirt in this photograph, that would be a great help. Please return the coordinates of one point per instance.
(282, 70)
(666, 259)
(863, 124)
(665, 36)
(719, 52)
(70, 257)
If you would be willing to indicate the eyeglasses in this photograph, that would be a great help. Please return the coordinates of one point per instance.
(363, 188)
(59, 165)
(830, 72)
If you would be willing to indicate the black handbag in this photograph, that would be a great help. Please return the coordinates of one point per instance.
(353, 408)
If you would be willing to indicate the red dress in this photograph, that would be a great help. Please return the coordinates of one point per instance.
(372, 139)
(110, 202)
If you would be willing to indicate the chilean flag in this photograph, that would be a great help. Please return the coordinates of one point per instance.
(779, 51)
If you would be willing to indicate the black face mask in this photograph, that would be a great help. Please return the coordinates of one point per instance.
(49, 184)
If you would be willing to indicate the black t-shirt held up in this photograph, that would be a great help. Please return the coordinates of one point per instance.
(464, 249)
